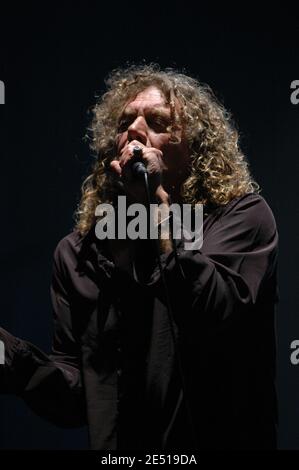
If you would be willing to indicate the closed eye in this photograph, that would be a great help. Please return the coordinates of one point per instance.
(158, 124)
(124, 124)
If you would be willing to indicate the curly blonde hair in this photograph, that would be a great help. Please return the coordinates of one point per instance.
(219, 170)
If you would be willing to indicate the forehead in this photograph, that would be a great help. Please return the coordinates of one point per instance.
(151, 97)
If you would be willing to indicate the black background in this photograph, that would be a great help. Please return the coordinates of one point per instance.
(53, 60)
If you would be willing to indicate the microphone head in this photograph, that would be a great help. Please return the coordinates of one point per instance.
(138, 169)
(137, 151)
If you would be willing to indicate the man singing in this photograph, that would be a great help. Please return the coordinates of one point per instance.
(157, 347)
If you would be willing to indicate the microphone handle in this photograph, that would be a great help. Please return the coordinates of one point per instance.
(138, 167)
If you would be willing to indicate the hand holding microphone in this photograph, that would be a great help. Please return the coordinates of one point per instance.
(134, 161)
(138, 166)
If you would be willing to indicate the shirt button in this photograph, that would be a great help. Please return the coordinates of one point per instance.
(119, 372)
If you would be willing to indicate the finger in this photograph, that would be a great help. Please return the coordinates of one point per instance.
(130, 146)
(115, 166)
(127, 155)
(136, 143)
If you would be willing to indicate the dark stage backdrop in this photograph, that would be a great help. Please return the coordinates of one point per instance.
(53, 60)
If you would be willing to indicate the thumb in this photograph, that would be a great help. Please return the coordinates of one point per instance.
(115, 167)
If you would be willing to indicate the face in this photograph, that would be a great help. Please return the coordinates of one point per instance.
(146, 119)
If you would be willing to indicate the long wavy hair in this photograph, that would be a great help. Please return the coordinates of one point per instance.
(219, 170)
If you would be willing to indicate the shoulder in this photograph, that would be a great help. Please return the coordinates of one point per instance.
(67, 249)
(251, 210)
(246, 221)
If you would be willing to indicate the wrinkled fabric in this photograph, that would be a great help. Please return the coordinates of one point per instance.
(114, 366)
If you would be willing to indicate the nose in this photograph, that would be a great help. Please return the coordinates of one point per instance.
(138, 130)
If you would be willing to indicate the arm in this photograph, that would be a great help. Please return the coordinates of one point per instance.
(50, 384)
(237, 261)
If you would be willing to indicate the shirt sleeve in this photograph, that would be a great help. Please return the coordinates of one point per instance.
(50, 384)
(235, 266)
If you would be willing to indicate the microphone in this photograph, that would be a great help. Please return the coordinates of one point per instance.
(138, 167)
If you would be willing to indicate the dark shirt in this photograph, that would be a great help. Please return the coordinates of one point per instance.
(113, 363)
